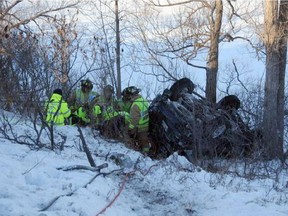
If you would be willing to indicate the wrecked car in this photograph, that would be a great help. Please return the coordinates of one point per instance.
(183, 121)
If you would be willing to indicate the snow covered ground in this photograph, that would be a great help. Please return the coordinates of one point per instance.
(132, 184)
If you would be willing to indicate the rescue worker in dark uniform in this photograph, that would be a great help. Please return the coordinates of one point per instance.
(108, 116)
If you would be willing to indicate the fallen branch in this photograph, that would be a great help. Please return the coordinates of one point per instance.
(78, 167)
(104, 174)
(86, 149)
(149, 169)
(27, 171)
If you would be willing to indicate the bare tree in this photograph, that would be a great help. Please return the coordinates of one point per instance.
(19, 22)
(22, 71)
(62, 46)
(275, 40)
(195, 32)
(102, 18)
(110, 22)
(212, 62)
(31, 11)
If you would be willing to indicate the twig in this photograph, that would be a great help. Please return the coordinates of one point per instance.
(56, 198)
(237, 72)
(146, 173)
(104, 175)
(27, 171)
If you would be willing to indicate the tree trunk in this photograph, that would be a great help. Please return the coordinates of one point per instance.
(283, 17)
(118, 62)
(212, 62)
(276, 53)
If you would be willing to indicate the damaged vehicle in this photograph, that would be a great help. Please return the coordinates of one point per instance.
(183, 121)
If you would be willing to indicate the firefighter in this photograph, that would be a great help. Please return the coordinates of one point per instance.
(139, 124)
(111, 121)
(56, 109)
(81, 103)
(107, 100)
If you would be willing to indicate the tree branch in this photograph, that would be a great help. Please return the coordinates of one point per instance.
(85, 147)
(169, 4)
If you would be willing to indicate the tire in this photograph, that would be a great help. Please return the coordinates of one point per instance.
(180, 87)
(228, 102)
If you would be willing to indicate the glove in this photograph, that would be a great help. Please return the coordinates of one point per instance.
(74, 119)
(73, 109)
(86, 107)
(133, 132)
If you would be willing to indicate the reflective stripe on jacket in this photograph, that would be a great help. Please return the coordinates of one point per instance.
(56, 110)
(139, 114)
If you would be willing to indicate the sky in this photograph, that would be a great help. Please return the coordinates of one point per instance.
(132, 184)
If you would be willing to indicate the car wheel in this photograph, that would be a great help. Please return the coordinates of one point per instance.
(228, 102)
(181, 87)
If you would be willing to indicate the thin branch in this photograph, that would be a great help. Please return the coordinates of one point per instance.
(169, 4)
(238, 76)
(4, 13)
(37, 15)
(231, 38)
(196, 66)
(233, 10)
(27, 171)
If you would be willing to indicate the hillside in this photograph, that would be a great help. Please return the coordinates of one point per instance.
(132, 184)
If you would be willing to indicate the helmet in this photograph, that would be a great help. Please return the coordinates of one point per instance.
(130, 91)
(108, 88)
(108, 92)
(57, 91)
(87, 84)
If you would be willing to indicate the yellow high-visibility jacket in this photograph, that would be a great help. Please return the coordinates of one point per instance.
(79, 98)
(139, 113)
(56, 110)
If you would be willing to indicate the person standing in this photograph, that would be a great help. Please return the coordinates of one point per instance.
(56, 109)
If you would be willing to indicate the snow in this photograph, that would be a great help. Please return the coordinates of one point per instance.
(132, 184)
